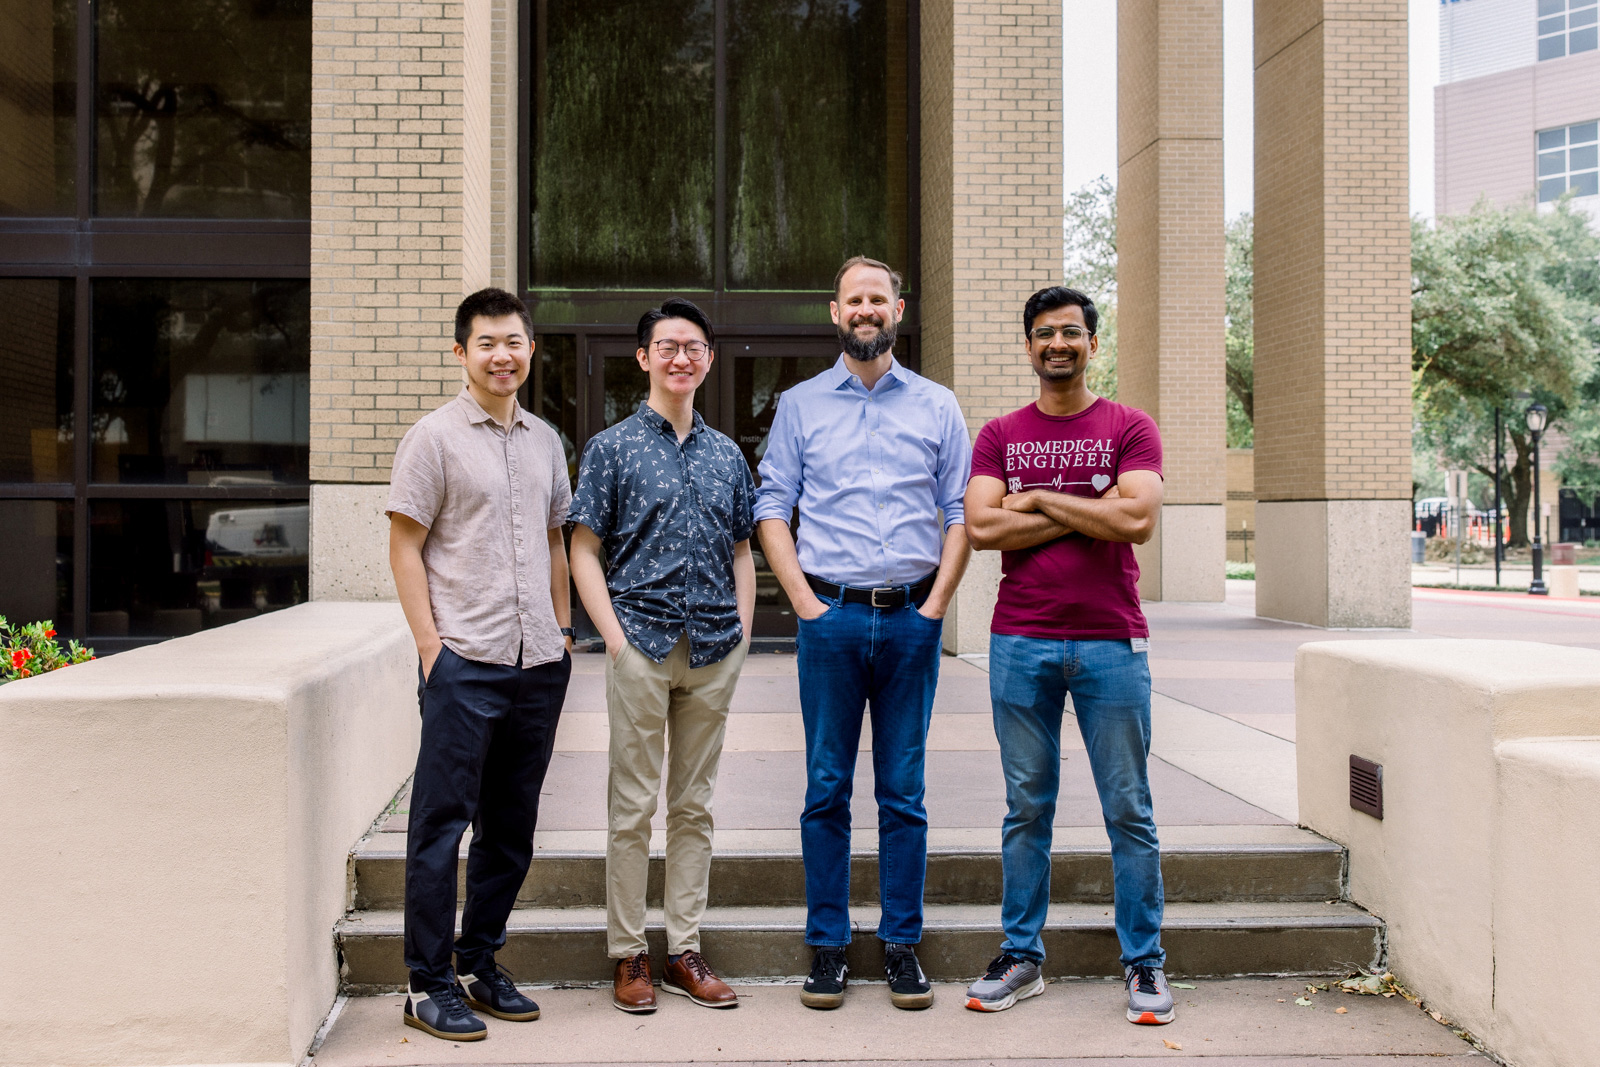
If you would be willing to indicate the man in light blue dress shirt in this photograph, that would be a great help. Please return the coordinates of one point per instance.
(876, 458)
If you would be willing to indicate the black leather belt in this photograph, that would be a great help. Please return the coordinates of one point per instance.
(887, 597)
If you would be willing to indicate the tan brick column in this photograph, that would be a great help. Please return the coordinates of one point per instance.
(1170, 329)
(1332, 313)
(991, 220)
(400, 231)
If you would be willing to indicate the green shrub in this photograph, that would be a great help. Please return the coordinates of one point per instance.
(32, 649)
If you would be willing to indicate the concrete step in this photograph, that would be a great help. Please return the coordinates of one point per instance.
(1199, 864)
(568, 945)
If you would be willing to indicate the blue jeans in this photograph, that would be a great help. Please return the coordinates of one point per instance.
(1029, 679)
(852, 656)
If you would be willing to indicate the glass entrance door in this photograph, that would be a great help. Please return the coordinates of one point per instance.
(760, 372)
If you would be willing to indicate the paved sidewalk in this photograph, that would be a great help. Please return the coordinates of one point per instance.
(1237, 1021)
(1223, 767)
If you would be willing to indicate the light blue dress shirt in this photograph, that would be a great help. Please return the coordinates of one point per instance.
(870, 473)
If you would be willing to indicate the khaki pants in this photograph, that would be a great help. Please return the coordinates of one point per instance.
(650, 706)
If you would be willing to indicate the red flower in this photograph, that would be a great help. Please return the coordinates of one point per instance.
(49, 633)
(18, 658)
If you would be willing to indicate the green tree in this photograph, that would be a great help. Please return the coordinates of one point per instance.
(1089, 232)
(1240, 343)
(1503, 303)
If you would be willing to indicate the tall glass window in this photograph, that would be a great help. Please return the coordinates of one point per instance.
(717, 144)
(622, 184)
(816, 139)
(203, 108)
(154, 437)
(36, 317)
(201, 382)
(1567, 27)
(1569, 158)
(38, 82)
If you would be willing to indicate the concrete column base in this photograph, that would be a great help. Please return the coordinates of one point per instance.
(966, 624)
(1184, 560)
(350, 543)
(1336, 563)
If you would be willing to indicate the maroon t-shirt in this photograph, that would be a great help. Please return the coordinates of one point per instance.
(1074, 587)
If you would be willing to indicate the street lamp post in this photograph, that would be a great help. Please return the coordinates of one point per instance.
(1536, 417)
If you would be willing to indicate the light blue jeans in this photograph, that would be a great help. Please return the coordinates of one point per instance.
(1029, 679)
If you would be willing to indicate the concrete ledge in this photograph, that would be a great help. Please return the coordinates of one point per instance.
(1479, 863)
(129, 784)
(1547, 866)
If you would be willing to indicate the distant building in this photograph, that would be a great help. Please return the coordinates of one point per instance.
(1517, 113)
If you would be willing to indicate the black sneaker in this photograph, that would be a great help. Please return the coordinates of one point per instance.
(442, 1013)
(494, 992)
(824, 987)
(908, 986)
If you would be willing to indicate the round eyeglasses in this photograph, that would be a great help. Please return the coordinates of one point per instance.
(695, 350)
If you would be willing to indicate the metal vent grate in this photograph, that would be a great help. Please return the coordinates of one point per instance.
(1366, 786)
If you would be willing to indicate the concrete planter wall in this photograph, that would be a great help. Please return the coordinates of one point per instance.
(176, 827)
(1485, 861)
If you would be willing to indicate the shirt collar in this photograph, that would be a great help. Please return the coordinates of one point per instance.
(840, 374)
(654, 419)
(476, 414)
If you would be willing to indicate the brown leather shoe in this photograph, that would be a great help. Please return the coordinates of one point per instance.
(631, 989)
(691, 976)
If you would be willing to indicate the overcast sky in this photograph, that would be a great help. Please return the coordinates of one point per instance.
(1089, 74)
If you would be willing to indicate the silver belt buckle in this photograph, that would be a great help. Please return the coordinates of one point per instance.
(883, 589)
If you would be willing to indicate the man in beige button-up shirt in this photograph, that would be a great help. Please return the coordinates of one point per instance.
(477, 499)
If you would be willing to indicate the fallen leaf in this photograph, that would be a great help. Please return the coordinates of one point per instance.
(1437, 1017)
(1181, 985)
(1172, 1044)
(1336, 1011)
(1303, 1002)
(405, 1041)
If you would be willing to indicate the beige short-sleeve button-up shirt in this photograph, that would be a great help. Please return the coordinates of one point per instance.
(488, 496)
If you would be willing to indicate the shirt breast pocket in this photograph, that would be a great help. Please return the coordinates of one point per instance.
(716, 496)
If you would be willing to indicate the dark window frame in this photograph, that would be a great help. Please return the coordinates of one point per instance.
(83, 247)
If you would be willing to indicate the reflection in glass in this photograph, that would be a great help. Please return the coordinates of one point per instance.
(203, 382)
(622, 183)
(626, 388)
(163, 568)
(555, 390)
(38, 83)
(36, 352)
(204, 108)
(757, 384)
(36, 545)
(816, 139)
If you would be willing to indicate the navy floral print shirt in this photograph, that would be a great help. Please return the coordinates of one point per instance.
(668, 516)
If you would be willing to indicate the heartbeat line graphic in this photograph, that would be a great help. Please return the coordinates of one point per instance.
(1055, 483)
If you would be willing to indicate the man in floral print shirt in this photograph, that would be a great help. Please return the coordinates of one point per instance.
(668, 500)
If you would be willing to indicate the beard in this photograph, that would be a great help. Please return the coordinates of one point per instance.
(867, 351)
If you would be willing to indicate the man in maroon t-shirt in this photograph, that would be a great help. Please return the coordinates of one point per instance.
(1064, 488)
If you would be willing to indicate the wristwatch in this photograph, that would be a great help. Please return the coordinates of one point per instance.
(566, 631)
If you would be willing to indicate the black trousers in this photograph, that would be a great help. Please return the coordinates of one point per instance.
(487, 734)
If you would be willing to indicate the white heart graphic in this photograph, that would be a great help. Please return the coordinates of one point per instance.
(1100, 481)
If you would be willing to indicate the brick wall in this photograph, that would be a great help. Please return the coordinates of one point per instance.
(1332, 252)
(1170, 299)
(398, 227)
(991, 192)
